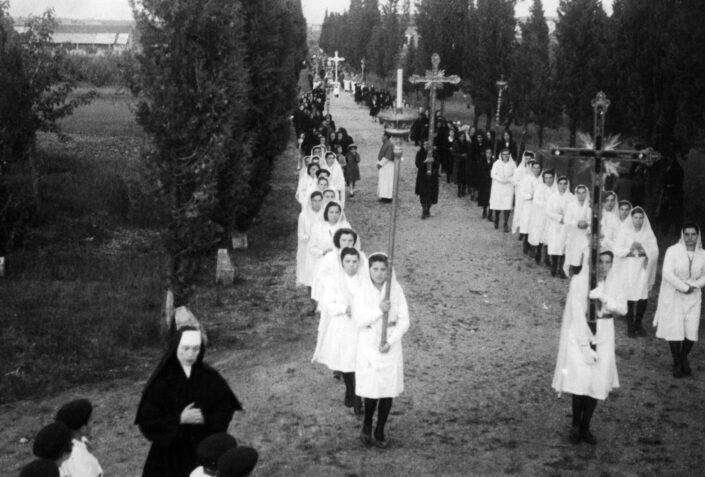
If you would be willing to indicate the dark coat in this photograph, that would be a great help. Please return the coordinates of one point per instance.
(484, 181)
(461, 157)
(167, 393)
(426, 184)
(419, 130)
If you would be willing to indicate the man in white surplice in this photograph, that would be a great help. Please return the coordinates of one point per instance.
(385, 166)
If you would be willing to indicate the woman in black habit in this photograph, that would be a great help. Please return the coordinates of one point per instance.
(184, 401)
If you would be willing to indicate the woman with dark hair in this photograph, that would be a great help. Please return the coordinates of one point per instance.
(461, 151)
(344, 139)
(586, 366)
(310, 215)
(677, 316)
(484, 181)
(508, 143)
(379, 369)
(184, 401)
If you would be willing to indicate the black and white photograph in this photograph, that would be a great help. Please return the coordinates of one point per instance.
(352, 238)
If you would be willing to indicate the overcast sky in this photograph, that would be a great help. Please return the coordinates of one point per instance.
(120, 9)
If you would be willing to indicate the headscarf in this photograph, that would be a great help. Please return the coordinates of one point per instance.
(369, 288)
(645, 236)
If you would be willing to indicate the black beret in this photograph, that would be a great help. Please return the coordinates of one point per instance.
(238, 462)
(52, 441)
(75, 414)
(212, 447)
(40, 468)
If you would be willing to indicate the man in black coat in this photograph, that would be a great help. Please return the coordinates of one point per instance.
(419, 129)
(427, 179)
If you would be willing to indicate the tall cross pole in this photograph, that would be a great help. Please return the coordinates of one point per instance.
(597, 154)
(362, 66)
(434, 78)
(398, 125)
(501, 87)
(336, 59)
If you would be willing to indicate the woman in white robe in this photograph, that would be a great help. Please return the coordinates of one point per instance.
(337, 176)
(385, 169)
(309, 216)
(586, 364)
(379, 369)
(308, 182)
(556, 207)
(502, 191)
(537, 218)
(521, 171)
(577, 219)
(637, 248)
(321, 241)
(525, 196)
(336, 346)
(677, 317)
(330, 263)
(610, 223)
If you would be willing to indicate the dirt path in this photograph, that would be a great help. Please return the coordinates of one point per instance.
(479, 359)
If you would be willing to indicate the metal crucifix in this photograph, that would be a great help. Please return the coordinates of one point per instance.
(434, 78)
(648, 156)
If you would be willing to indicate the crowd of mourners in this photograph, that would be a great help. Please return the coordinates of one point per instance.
(346, 286)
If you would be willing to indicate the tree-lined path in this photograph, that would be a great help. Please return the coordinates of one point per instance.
(479, 359)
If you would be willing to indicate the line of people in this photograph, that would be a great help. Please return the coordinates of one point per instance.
(349, 291)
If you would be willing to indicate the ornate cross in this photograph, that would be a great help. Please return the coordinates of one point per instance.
(597, 153)
(434, 78)
(336, 59)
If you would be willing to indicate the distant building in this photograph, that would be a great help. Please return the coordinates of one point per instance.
(91, 37)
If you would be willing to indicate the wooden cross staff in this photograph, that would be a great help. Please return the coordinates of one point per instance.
(362, 65)
(434, 78)
(597, 154)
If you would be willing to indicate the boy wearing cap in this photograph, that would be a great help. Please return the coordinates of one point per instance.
(209, 451)
(76, 415)
(53, 442)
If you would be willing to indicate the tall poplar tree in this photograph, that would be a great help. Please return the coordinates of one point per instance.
(581, 59)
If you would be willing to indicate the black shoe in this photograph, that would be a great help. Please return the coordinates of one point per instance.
(639, 329)
(366, 438)
(337, 375)
(484, 214)
(574, 435)
(678, 371)
(349, 401)
(685, 366)
(506, 228)
(587, 437)
(380, 441)
(496, 225)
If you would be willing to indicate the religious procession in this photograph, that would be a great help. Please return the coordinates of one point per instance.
(428, 260)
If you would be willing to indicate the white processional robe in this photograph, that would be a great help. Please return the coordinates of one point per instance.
(81, 463)
(379, 375)
(321, 244)
(609, 228)
(579, 369)
(336, 180)
(336, 344)
(521, 171)
(576, 239)
(556, 207)
(678, 313)
(637, 273)
(307, 219)
(385, 183)
(537, 218)
(525, 196)
(502, 191)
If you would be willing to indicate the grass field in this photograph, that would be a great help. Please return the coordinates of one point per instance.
(82, 294)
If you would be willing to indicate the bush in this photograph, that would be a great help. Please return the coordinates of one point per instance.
(110, 69)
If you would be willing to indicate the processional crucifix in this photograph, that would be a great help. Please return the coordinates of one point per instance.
(597, 154)
(336, 59)
(362, 66)
(434, 78)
